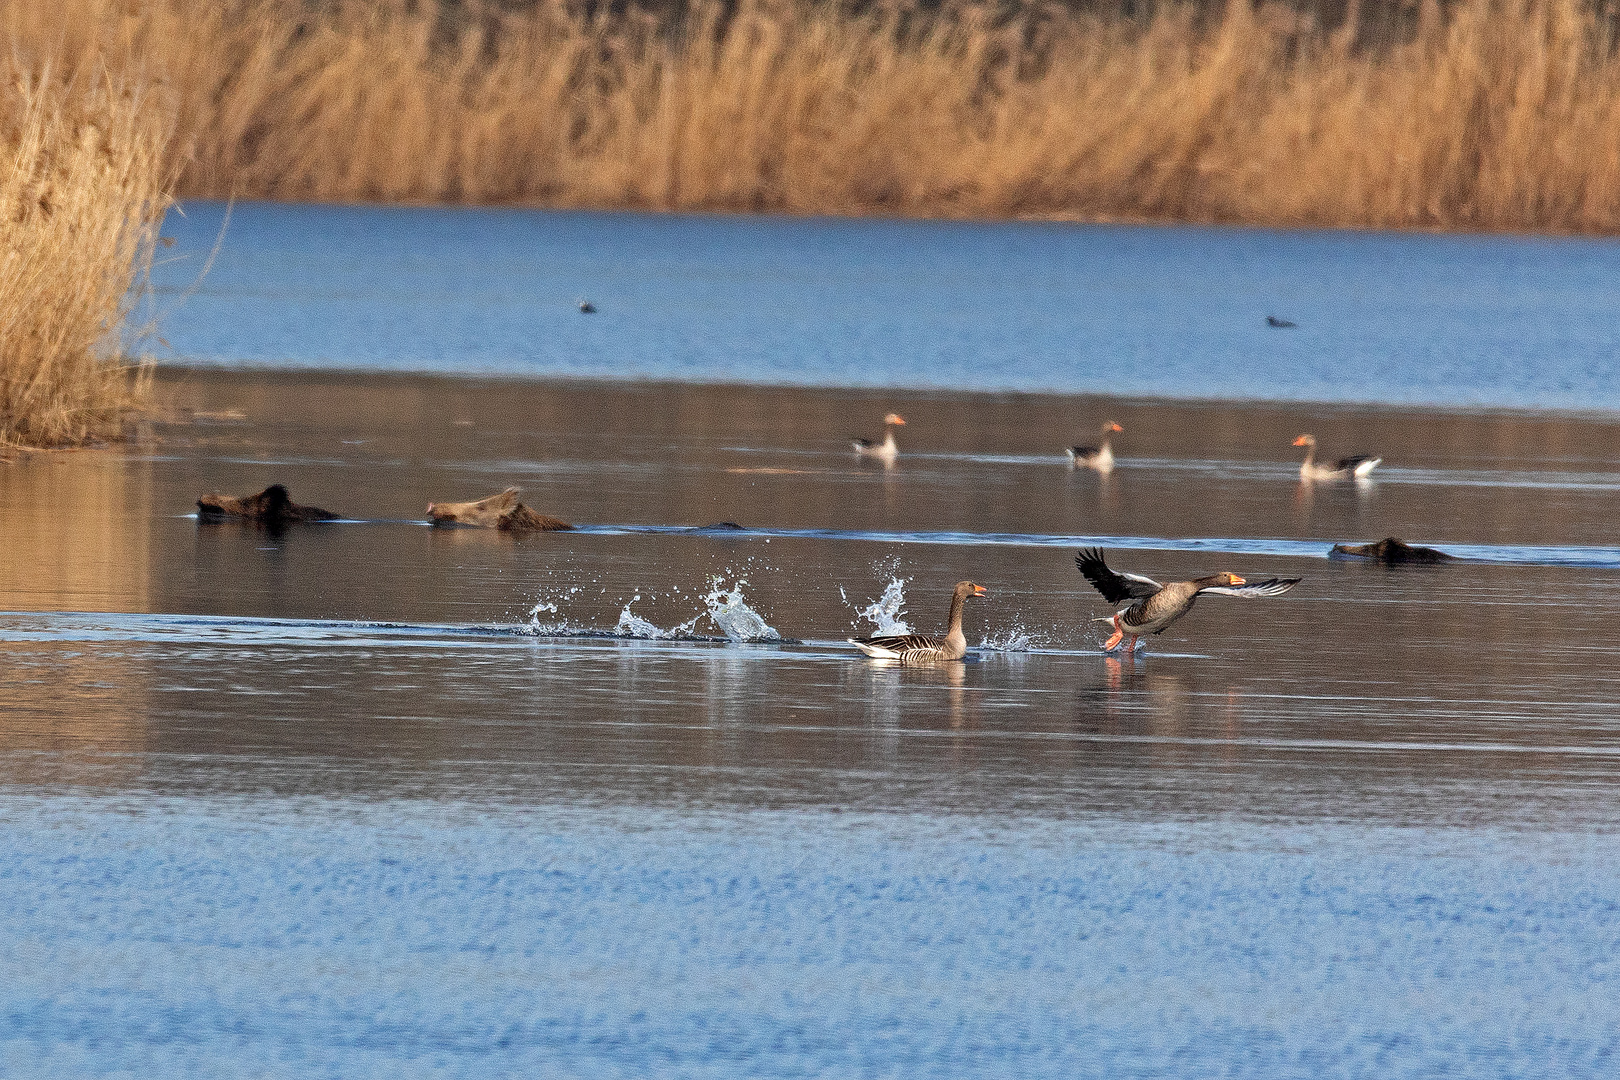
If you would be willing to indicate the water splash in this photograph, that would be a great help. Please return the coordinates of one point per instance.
(551, 606)
(1014, 640)
(631, 625)
(731, 614)
(888, 612)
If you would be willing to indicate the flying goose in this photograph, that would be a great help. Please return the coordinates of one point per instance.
(1156, 606)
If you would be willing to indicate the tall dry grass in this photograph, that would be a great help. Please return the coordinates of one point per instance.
(1482, 114)
(81, 192)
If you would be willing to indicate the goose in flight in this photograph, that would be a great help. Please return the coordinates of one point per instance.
(1156, 606)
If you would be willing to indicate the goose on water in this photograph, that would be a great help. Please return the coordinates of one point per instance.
(885, 451)
(1350, 468)
(1101, 457)
(925, 648)
(1156, 606)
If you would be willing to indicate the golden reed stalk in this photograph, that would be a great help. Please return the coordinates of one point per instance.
(1483, 114)
(1499, 114)
(81, 194)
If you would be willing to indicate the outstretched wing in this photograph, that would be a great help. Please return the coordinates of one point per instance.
(1269, 587)
(1115, 587)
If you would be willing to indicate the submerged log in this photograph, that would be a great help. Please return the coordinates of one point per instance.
(272, 506)
(1391, 550)
(502, 511)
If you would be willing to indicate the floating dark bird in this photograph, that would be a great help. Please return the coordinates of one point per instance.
(587, 308)
(1157, 606)
(1391, 550)
(1280, 324)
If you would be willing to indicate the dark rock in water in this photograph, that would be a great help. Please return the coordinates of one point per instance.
(720, 526)
(272, 507)
(1391, 550)
(1279, 324)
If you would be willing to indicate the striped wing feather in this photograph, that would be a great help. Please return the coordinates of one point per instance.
(1268, 587)
(902, 643)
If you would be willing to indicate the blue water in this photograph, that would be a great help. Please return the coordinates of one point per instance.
(375, 799)
(412, 938)
(1509, 322)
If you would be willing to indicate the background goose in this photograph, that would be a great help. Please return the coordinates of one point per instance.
(922, 648)
(1101, 457)
(886, 450)
(1350, 468)
(1157, 606)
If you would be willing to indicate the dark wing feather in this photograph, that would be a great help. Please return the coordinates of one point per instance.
(902, 642)
(1114, 587)
(1349, 464)
(1268, 587)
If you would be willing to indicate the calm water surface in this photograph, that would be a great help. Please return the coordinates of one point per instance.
(1179, 312)
(369, 798)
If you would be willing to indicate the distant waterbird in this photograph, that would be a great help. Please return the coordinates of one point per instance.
(885, 451)
(587, 308)
(1101, 457)
(1355, 467)
(1156, 606)
(926, 648)
(1280, 324)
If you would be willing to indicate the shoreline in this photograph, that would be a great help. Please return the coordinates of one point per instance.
(173, 375)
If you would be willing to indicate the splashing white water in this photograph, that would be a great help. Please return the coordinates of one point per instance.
(725, 606)
(1016, 639)
(551, 606)
(732, 615)
(632, 625)
(887, 613)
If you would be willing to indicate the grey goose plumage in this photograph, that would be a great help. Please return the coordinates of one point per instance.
(1156, 606)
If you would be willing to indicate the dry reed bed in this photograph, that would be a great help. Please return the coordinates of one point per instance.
(81, 193)
(1503, 114)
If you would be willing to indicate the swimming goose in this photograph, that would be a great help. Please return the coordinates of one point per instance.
(1101, 457)
(925, 648)
(1157, 606)
(885, 451)
(1350, 468)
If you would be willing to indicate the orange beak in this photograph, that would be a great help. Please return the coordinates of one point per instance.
(1237, 580)
(1300, 441)
(895, 418)
(979, 590)
(1115, 427)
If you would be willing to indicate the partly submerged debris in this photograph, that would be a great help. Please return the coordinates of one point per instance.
(502, 511)
(272, 506)
(1391, 550)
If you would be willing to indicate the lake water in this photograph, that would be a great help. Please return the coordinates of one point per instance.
(370, 798)
(1126, 310)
